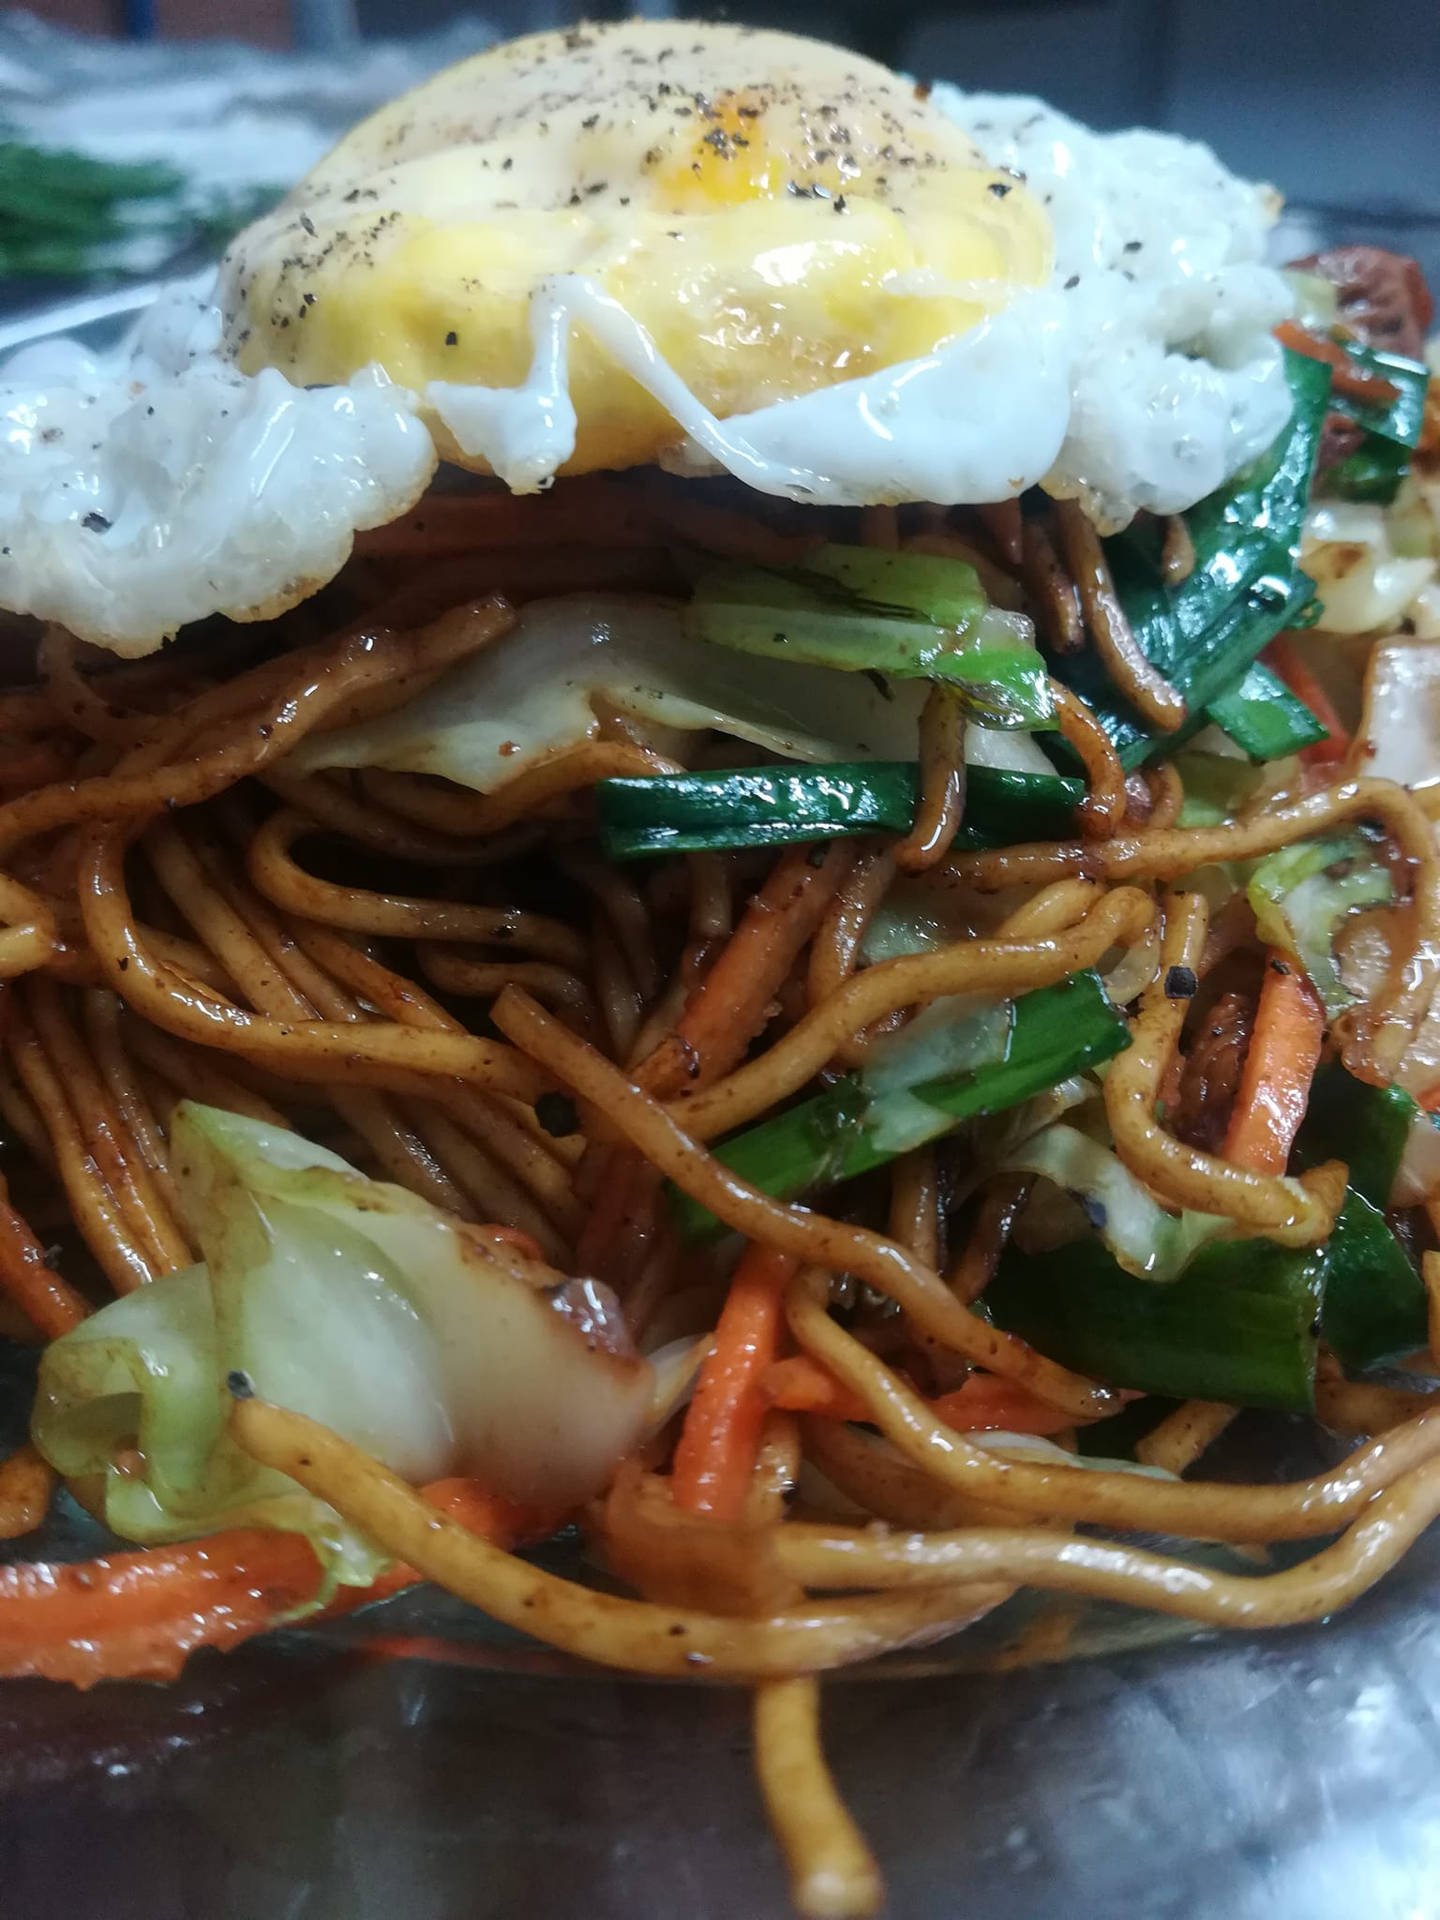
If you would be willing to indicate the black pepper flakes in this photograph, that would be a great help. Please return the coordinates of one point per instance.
(452, 339)
(1180, 983)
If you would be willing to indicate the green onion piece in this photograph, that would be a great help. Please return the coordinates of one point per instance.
(860, 610)
(1375, 1303)
(1381, 461)
(1203, 634)
(1056, 1032)
(1373, 472)
(1367, 1127)
(1401, 420)
(1238, 1325)
(1301, 894)
(1264, 718)
(780, 806)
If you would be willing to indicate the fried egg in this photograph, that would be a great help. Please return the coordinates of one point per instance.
(707, 247)
(774, 215)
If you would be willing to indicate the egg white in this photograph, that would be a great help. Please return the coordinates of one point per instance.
(166, 483)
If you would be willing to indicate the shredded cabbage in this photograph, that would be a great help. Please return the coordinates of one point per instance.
(1301, 894)
(530, 695)
(346, 1299)
(1145, 1239)
(953, 1035)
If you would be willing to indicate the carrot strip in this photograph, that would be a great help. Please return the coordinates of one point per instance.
(504, 1523)
(1280, 1063)
(720, 1440)
(719, 1020)
(139, 1614)
(507, 1523)
(1285, 657)
(802, 1385)
(128, 1615)
(26, 1484)
(1348, 378)
(986, 1401)
(727, 1009)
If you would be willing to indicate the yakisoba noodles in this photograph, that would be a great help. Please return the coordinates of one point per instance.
(829, 1009)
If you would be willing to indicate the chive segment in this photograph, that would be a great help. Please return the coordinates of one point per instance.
(1239, 1324)
(1054, 1032)
(1376, 468)
(1245, 587)
(1375, 1302)
(1264, 718)
(784, 805)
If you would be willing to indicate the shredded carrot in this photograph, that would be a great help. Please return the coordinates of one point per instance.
(728, 1008)
(720, 1440)
(504, 1523)
(989, 1403)
(138, 1615)
(1348, 379)
(985, 1402)
(802, 1385)
(1285, 657)
(1280, 1063)
(26, 1484)
(129, 1615)
(719, 1020)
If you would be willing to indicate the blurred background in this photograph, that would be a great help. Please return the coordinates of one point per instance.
(1334, 103)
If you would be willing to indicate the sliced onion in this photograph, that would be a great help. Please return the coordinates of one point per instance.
(1400, 727)
(1363, 585)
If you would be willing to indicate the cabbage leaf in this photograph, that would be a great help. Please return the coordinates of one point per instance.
(531, 693)
(1144, 1239)
(351, 1301)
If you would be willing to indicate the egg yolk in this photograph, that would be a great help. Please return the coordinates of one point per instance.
(778, 215)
